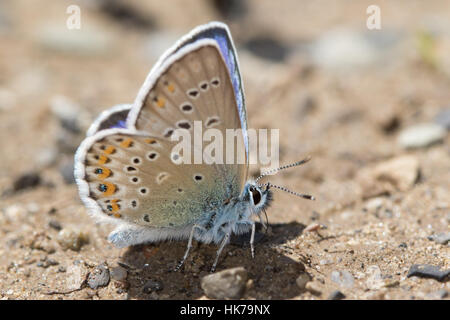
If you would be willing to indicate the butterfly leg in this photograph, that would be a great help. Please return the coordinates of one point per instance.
(191, 237)
(222, 245)
(252, 240)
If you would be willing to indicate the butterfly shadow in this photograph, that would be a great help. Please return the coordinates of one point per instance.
(271, 272)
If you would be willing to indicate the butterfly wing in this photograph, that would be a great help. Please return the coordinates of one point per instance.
(219, 33)
(114, 117)
(128, 174)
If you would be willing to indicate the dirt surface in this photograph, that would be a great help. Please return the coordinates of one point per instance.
(336, 90)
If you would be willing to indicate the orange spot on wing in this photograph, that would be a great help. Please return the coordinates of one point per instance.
(105, 173)
(114, 205)
(110, 189)
(150, 141)
(161, 102)
(110, 149)
(171, 87)
(117, 215)
(126, 143)
(103, 159)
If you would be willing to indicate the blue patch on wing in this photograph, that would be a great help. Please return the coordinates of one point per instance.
(119, 124)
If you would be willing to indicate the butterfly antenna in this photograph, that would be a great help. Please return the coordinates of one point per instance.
(298, 163)
(301, 195)
(266, 226)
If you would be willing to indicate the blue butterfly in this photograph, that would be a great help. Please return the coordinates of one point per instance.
(125, 168)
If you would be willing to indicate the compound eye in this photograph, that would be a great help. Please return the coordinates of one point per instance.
(256, 195)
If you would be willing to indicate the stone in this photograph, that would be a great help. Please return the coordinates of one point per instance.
(336, 295)
(27, 181)
(46, 157)
(343, 49)
(99, 277)
(313, 288)
(67, 112)
(302, 280)
(72, 239)
(267, 48)
(421, 135)
(226, 284)
(375, 204)
(443, 119)
(428, 271)
(76, 276)
(119, 273)
(54, 224)
(375, 279)
(397, 174)
(441, 238)
(67, 171)
(343, 278)
(86, 41)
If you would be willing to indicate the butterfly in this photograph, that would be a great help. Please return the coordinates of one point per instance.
(124, 168)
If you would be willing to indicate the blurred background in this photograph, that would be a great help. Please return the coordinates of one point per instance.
(371, 106)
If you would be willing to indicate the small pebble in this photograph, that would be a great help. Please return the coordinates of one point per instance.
(375, 204)
(267, 48)
(343, 49)
(119, 273)
(313, 288)
(86, 41)
(226, 284)
(302, 280)
(61, 269)
(421, 135)
(152, 286)
(399, 173)
(428, 271)
(54, 224)
(343, 278)
(76, 276)
(443, 118)
(99, 277)
(27, 181)
(66, 170)
(313, 227)
(230, 9)
(442, 293)
(441, 238)
(375, 279)
(72, 239)
(46, 157)
(336, 295)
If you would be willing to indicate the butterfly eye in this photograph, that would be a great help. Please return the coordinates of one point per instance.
(256, 195)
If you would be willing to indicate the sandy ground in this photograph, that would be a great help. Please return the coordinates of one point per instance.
(378, 203)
